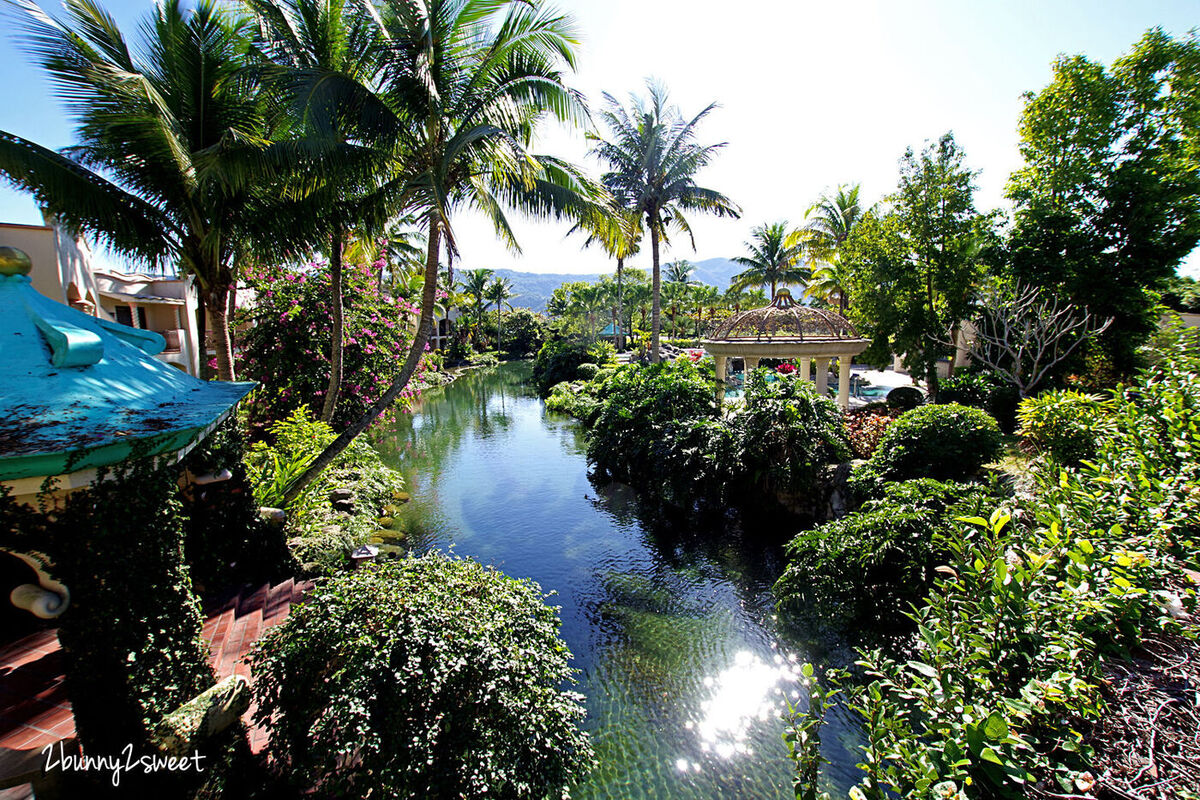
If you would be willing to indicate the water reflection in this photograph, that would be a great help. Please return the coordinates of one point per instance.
(670, 620)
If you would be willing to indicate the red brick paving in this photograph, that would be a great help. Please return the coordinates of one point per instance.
(35, 710)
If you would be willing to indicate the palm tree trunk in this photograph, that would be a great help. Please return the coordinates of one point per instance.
(655, 298)
(217, 303)
(337, 312)
(499, 327)
(415, 351)
(772, 290)
(617, 325)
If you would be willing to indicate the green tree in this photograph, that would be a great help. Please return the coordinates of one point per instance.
(475, 285)
(915, 268)
(679, 271)
(332, 37)
(499, 292)
(461, 91)
(653, 158)
(829, 223)
(1108, 200)
(153, 124)
(776, 255)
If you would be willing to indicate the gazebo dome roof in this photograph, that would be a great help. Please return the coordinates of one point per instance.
(785, 320)
(79, 392)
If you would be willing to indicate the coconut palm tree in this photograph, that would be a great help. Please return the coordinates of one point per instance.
(462, 88)
(475, 285)
(619, 232)
(653, 159)
(775, 258)
(331, 37)
(679, 271)
(830, 221)
(705, 298)
(153, 125)
(499, 292)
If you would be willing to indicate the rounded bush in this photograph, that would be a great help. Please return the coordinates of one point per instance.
(1064, 425)
(905, 397)
(424, 677)
(587, 370)
(944, 442)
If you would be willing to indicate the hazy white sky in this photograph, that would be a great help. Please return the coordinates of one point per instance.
(811, 95)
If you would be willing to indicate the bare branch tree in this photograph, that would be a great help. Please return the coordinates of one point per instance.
(1023, 336)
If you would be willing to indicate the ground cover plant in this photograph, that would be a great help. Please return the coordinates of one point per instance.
(320, 535)
(424, 677)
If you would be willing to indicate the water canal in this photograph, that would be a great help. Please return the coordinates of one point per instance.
(672, 627)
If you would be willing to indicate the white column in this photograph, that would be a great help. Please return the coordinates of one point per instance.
(719, 363)
(751, 362)
(806, 368)
(822, 376)
(844, 382)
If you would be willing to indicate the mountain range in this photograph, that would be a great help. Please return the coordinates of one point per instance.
(533, 289)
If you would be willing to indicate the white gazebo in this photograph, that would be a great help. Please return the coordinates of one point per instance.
(785, 329)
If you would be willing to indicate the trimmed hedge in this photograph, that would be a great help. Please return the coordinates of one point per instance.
(943, 442)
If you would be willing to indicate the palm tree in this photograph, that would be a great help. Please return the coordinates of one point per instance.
(679, 271)
(462, 88)
(830, 221)
(775, 257)
(330, 37)
(705, 297)
(588, 300)
(653, 160)
(499, 292)
(153, 124)
(619, 232)
(475, 285)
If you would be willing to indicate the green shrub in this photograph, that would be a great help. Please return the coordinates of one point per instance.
(878, 560)
(985, 390)
(574, 398)
(944, 442)
(865, 427)
(587, 371)
(1065, 425)
(904, 398)
(558, 360)
(602, 352)
(441, 677)
(787, 432)
(641, 402)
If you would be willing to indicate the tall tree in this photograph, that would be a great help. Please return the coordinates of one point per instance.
(463, 87)
(499, 292)
(776, 256)
(332, 37)
(1108, 200)
(153, 123)
(829, 222)
(679, 271)
(475, 285)
(915, 268)
(619, 232)
(653, 160)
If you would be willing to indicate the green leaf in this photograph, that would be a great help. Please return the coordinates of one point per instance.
(995, 728)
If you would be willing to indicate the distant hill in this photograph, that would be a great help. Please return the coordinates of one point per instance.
(534, 288)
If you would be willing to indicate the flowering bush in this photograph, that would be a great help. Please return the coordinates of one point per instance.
(786, 368)
(286, 334)
(865, 427)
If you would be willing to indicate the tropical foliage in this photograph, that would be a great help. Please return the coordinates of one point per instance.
(443, 676)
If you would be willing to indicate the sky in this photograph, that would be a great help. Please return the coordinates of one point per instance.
(810, 95)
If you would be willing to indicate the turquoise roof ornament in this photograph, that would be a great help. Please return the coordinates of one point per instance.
(78, 393)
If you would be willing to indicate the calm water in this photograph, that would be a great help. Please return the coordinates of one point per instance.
(672, 628)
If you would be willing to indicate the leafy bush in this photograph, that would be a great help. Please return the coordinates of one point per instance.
(602, 352)
(524, 332)
(984, 390)
(787, 432)
(879, 559)
(944, 442)
(558, 360)
(287, 333)
(440, 676)
(1065, 425)
(641, 403)
(320, 536)
(905, 397)
(574, 398)
(587, 371)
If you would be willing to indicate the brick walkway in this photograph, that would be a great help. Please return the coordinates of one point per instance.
(35, 710)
